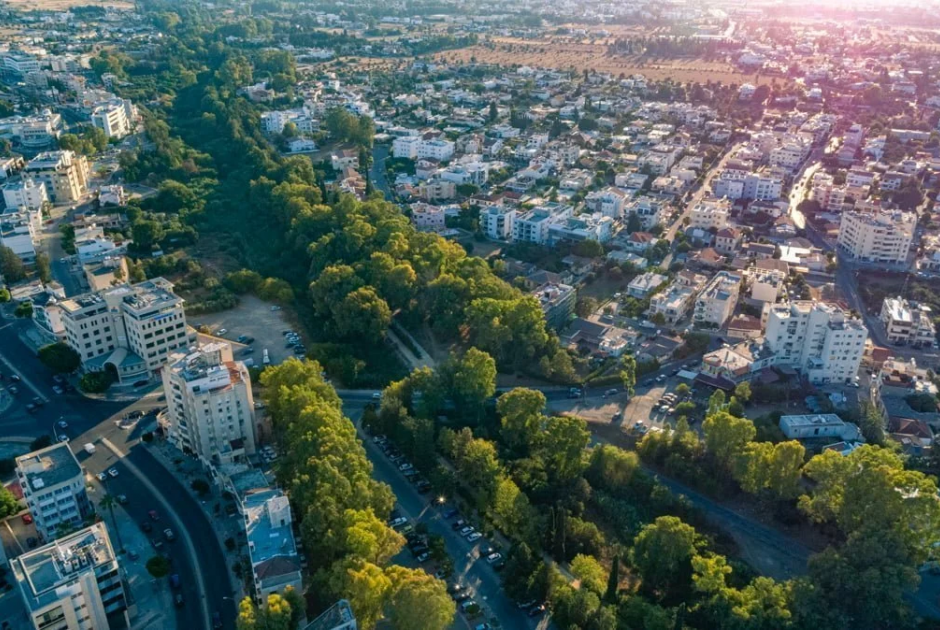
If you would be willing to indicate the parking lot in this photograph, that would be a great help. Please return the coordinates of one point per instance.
(253, 318)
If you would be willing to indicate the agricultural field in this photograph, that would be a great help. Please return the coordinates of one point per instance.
(587, 56)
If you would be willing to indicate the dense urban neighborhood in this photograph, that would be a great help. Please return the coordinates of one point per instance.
(438, 315)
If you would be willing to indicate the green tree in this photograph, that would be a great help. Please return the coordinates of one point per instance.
(716, 402)
(108, 502)
(474, 380)
(662, 554)
(60, 358)
(8, 503)
(612, 468)
(417, 601)
(158, 566)
(4, 295)
(146, 235)
(628, 373)
(872, 424)
(742, 391)
(43, 269)
(11, 267)
(562, 448)
(613, 580)
(590, 573)
(366, 587)
(520, 411)
(726, 436)
(363, 316)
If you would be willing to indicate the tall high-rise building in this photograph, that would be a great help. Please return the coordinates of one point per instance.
(65, 174)
(53, 486)
(73, 583)
(210, 409)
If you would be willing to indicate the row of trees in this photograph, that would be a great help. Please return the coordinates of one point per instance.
(342, 510)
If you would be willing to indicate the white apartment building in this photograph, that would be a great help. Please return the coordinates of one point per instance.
(584, 227)
(272, 550)
(497, 222)
(716, 302)
(532, 226)
(131, 329)
(790, 153)
(883, 237)
(53, 486)
(428, 218)
(65, 174)
(74, 583)
(907, 322)
(767, 285)
(650, 211)
(115, 117)
(820, 425)
(19, 230)
(26, 193)
(210, 409)
(710, 213)
(610, 202)
(33, 132)
(675, 302)
(817, 338)
(741, 184)
(416, 148)
(20, 63)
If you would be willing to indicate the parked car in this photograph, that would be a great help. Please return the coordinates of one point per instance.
(175, 580)
(112, 472)
(147, 527)
(405, 466)
(494, 557)
(458, 524)
(169, 535)
(397, 522)
(178, 600)
(423, 557)
(27, 518)
(475, 536)
(153, 515)
(102, 476)
(450, 513)
(535, 611)
(466, 531)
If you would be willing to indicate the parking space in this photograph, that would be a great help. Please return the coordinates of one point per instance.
(253, 318)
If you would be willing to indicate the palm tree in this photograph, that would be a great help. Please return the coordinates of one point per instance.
(108, 501)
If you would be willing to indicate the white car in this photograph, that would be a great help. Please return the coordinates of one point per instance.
(113, 472)
(221, 331)
(405, 467)
(467, 530)
(494, 557)
(398, 522)
(475, 536)
(101, 476)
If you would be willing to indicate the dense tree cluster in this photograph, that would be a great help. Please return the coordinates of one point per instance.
(342, 510)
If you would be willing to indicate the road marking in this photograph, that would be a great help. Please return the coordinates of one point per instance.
(183, 532)
(23, 379)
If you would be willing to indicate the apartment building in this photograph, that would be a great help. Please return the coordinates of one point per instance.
(65, 174)
(644, 284)
(19, 230)
(416, 148)
(817, 338)
(557, 301)
(883, 237)
(21, 63)
(710, 214)
(584, 227)
(210, 409)
(53, 486)
(790, 153)
(272, 550)
(674, 303)
(497, 222)
(650, 211)
(26, 193)
(131, 329)
(610, 201)
(716, 302)
(74, 583)
(820, 425)
(115, 117)
(532, 226)
(907, 322)
(428, 218)
(743, 184)
(767, 285)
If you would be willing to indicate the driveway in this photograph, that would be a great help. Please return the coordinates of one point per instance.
(469, 569)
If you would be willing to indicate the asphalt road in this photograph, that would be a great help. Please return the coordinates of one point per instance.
(469, 569)
(377, 173)
(90, 420)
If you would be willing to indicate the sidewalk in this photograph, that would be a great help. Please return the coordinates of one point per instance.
(186, 470)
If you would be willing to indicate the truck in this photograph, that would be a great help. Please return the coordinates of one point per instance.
(266, 360)
(89, 448)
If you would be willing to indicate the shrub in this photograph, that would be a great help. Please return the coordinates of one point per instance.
(158, 566)
(24, 309)
(59, 358)
(201, 486)
(96, 382)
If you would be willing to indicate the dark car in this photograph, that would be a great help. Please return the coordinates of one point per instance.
(175, 580)
(147, 527)
(140, 383)
(535, 611)
(452, 512)
(31, 542)
(216, 620)
(178, 600)
(458, 524)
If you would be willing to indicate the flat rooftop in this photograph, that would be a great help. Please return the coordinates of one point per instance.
(49, 466)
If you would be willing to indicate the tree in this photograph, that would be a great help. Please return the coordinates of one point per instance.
(11, 267)
(682, 390)
(4, 295)
(726, 436)
(108, 502)
(60, 358)
(43, 269)
(590, 572)
(872, 424)
(716, 402)
(662, 553)
(146, 234)
(742, 391)
(365, 585)
(775, 468)
(474, 380)
(612, 468)
(363, 316)
(520, 412)
(628, 373)
(613, 580)
(562, 448)
(8, 503)
(417, 601)
(158, 566)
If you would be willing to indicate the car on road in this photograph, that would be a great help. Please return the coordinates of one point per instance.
(175, 580)
(27, 518)
(494, 557)
(153, 515)
(169, 535)
(15, 378)
(475, 536)
(63, 438)
(275, 308)
(484, 626)
(216, 617)
(122, 499)
(133, 555)
(147, 527)
(31, 408)
(377, 396)
(62, 424)
(113, 472)
(221, 331)
(178, 600)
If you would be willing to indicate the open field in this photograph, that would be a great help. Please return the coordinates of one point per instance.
(586, 56)
(61, 5)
